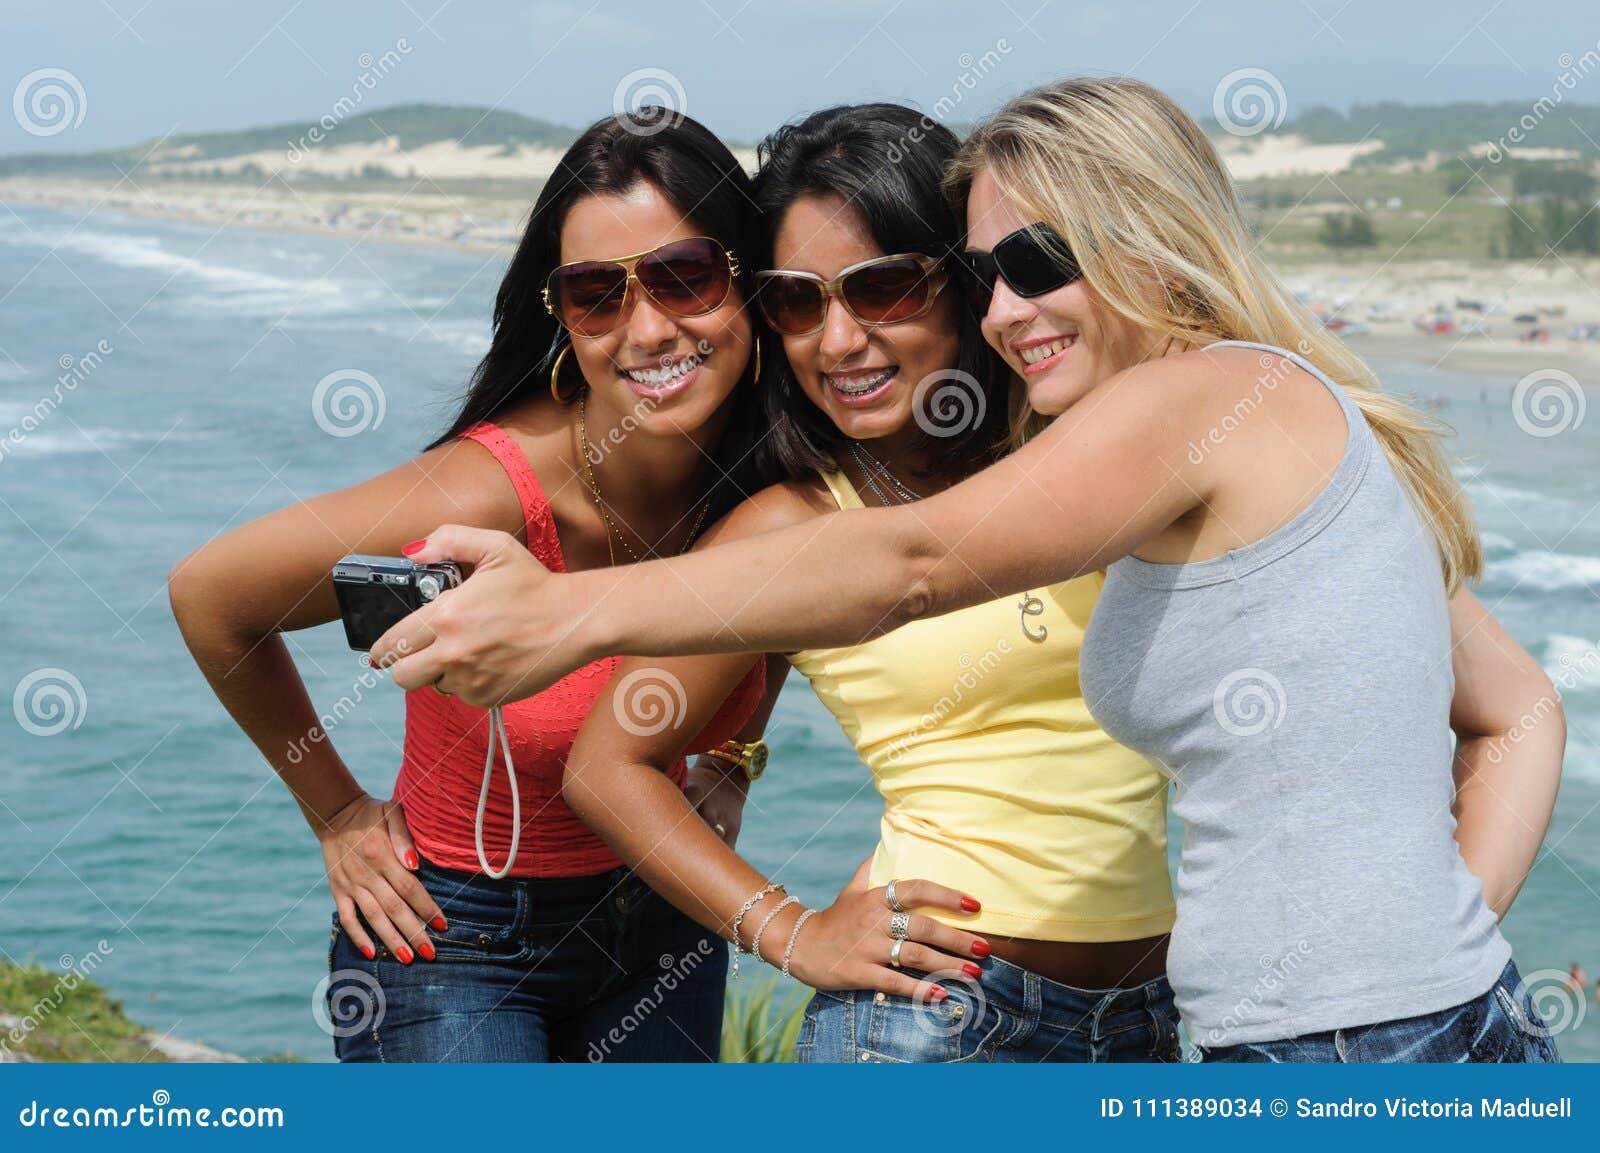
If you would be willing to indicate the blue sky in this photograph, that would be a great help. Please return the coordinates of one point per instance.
(147, 67)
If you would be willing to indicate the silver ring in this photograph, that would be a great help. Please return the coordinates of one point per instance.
(891, 900)
(894, 953)
(900, 926)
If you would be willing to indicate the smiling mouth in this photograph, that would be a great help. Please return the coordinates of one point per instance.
(856, 386)
(1039, 353)
(667, 375)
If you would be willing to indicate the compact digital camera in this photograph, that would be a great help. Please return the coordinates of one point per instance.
(376, 592)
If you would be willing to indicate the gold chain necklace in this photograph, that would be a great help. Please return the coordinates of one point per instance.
(599, 502)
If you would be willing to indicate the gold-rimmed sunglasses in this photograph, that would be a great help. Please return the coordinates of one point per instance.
(883, 290)
(685, 278)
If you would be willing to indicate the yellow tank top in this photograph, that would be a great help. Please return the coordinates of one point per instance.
(996, 780)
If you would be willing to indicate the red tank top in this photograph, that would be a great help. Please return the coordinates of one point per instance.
(442, 766)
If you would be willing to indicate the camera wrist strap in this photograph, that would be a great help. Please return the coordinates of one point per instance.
(497, 727)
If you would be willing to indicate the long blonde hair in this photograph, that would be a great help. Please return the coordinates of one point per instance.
(1139, 194)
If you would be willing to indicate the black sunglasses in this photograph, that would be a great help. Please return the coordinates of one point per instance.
(1032, 261)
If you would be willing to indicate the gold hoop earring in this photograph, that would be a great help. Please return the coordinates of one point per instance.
(555, 376)
(757, 376)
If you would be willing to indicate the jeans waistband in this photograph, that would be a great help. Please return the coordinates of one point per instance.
(546, 898)
(1095, 1011)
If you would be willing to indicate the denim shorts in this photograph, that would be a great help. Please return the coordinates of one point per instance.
(1500, 1026)
(1008, 1014)
(596, 968)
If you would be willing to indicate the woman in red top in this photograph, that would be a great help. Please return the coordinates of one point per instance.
(611, 420)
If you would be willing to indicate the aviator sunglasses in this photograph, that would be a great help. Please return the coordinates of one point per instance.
(884, 290)
(1032, 261)
(685, 278)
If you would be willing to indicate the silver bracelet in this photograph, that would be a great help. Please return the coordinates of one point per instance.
(755, 942)
(738, 920)
(794, 935)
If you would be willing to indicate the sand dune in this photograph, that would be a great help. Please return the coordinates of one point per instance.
(440, 160)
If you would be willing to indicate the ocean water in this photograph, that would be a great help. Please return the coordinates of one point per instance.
(146, 833)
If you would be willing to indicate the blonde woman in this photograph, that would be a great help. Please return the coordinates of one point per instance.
(1284, 624)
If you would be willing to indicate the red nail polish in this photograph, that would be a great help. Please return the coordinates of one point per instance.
(426, 949)
(970, 904)
(971, 970)
(415, 546)
(367, 952)
(938, 992)
(440, 924)
(404, 954)
(980, 948)
(411, 859)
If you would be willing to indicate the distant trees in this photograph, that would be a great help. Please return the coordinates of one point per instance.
(1458, 177)
(1347, 230)
(1552, 210)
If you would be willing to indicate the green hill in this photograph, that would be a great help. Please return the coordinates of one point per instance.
(1412, 131)
(411, 125)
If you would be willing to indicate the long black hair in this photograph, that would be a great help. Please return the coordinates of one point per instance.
(887, 162)
(699, 176)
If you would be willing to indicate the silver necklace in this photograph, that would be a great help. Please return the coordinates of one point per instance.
(873, 468)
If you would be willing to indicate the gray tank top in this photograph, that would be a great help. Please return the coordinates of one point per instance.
(1298, 691)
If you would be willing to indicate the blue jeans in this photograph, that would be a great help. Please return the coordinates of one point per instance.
(544, 969)
(1501, 1025)
(1009, 1014)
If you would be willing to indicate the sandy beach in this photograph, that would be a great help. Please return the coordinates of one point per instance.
(406, 212)
(1382, 297)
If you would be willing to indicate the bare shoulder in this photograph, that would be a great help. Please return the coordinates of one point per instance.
(546, 434)
(778, 506)
(1259, 376)
(465, 481)
(1202, 376)
(1208, 394)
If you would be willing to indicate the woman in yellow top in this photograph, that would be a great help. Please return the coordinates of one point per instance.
(1043, 918)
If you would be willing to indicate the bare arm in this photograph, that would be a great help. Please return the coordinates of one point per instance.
(1100, 481)
(1510, 737)
(235, 596)
(718, 790)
